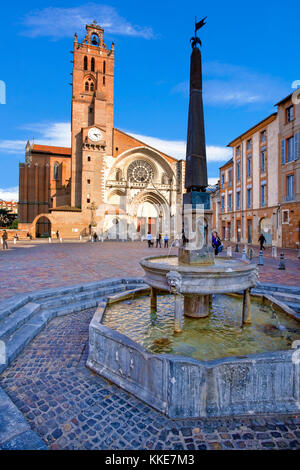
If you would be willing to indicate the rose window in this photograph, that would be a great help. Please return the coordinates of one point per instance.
(140, 171)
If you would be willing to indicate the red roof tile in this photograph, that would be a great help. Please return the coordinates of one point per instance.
(51, 149)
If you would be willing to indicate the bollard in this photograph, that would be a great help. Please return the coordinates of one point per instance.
(229, 251)
(49, 239)
(250, 253)
(274, 251)
(15, 241)
(60, 240)
(80, 238)
(261, 258)
(281, 262)
(244, 256)
(236, 248)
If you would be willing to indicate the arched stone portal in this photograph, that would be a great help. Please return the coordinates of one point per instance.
(152, 214)
(265, 227)
(42, 227)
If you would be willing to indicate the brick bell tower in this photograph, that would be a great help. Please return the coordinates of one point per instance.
(92, 116)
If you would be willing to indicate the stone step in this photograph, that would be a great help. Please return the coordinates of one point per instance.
(287, 297)
(11, 305)
(77, 307)
(20, 338)
(16, 319)
(277, 288)
(86, 295)
(294, 306)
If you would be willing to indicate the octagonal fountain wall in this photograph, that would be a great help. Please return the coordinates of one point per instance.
(184, 387)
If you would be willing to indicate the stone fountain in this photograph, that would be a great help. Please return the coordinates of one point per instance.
(195, 275)
(176, 383)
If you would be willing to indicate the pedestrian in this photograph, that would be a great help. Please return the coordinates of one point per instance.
(149, 239)
(166, 241)
(216, 243)
(261, 240)
(95, 236)
(158, 240)
(57, 234)
(16, 237)
(4, 240)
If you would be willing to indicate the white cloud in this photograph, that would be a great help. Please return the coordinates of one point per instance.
(177, 148)
(213, 180)
(53, 133)
(64, 22)
(59, 134)
(9, 194)
(233, 85)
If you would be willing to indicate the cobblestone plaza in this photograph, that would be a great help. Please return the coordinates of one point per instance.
(69, 407)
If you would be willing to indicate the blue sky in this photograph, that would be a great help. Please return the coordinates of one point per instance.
(250, 59)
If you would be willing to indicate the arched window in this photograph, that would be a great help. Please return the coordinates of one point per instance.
(55, 171)
(85, 63)
(95, 39)
(118, 174)
(104, 81)
(104, 66)
(86, 86)
(93, 64)
(92, 86)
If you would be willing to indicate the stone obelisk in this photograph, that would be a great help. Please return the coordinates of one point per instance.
(197, 215)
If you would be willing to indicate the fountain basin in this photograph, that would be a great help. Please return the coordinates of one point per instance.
(184, 387)
(225, 276)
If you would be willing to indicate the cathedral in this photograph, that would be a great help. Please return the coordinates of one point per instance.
(108, 182)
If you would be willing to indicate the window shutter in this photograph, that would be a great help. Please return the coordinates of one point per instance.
(296, 146)
(282, 152)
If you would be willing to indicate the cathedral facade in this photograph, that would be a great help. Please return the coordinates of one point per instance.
(108, 182)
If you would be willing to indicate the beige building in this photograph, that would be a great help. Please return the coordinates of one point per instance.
(260, 186)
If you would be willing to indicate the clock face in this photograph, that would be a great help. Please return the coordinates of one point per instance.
(94, 134)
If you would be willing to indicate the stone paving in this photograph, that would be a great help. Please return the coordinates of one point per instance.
(69, 407)
(37, 265)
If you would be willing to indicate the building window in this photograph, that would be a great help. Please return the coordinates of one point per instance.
(229, 230)
(249, 165)
(222, 203)
(249, 227)
(86, 86)
(104, 67)
(238, 151)
(290, 149)
(222, 180)
(263, 160)
(85, 63)
(223, 231)
(290, 188)
(263, 195)
(55, 171)
(93, 64)
(89, 181)
(249, 198)
(285, 217)
(89, 159)
(103, 81)
(229, 202)
(229, 177)
(238, 231)
(88, 200)
(92, 86)
(249, 144)
(289, 113)
(238, 170)
(238, 200)
(263, 136)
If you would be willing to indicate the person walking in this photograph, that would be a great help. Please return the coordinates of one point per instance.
(95, 236)
(158, 240)
(261, 240)
(149, 240)
(166, 241)
(4, 240)
(216, 243)
(57, 234)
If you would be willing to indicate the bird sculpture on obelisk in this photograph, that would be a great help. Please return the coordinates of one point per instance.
(197, 252)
